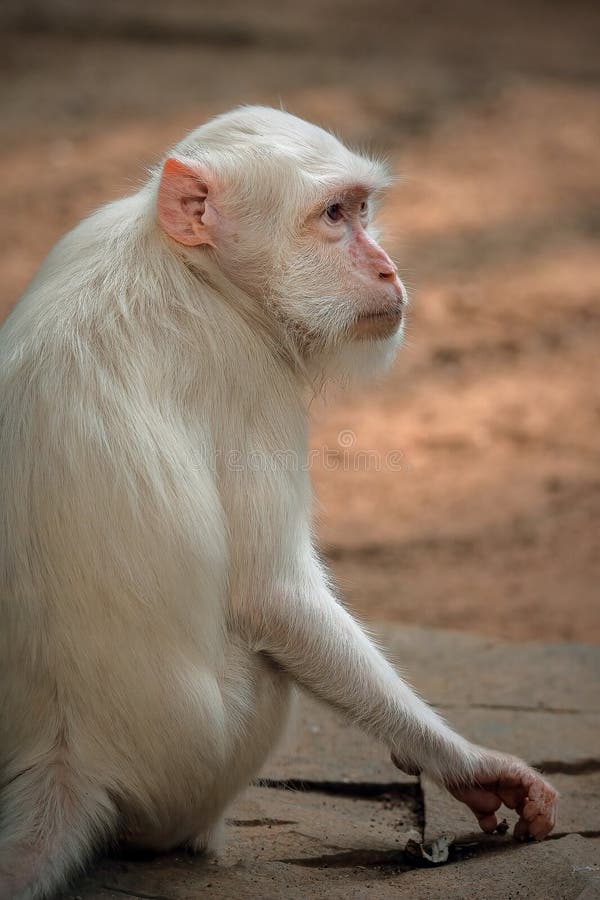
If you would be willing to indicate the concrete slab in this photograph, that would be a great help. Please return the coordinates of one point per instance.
(563, 869)
(311, 823)
(322, 746)
(579, 809)
(454, 668)
(551, 741)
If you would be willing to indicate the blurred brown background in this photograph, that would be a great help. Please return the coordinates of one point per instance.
(491, 113)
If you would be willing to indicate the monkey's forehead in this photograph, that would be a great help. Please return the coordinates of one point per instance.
(258, 136)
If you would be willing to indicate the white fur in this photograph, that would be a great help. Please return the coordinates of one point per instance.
(159, 596)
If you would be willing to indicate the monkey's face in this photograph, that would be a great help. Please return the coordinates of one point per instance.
(285, 210)
(339, 285)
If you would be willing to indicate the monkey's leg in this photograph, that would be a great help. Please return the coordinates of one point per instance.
(314, 639)
(255, 721)
(190, 806)
(52, 820)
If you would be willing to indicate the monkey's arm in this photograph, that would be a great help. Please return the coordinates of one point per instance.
(319, 643)
(325, 650)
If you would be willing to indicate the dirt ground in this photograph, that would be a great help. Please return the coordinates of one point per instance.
(464, 489)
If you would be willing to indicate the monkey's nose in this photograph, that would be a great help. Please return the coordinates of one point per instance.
(386, 268)
(388, 272)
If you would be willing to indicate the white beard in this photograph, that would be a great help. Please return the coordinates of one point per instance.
(356, 362)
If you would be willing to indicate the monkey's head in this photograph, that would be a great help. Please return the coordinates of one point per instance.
(285, 211)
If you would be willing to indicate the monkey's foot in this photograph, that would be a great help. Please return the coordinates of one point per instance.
(518, 787)
(208, 841)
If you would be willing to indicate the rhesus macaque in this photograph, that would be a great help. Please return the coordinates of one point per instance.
(159, 603)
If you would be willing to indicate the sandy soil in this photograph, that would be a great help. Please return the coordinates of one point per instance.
(464, 490)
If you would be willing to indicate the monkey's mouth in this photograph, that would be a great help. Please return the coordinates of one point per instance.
(378, 323)
(381, 314)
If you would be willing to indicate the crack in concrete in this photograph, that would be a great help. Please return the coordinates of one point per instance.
(404, 793)
(508, 707)
(265, 821)
(347, 859)
(406, 790)
(555, 767)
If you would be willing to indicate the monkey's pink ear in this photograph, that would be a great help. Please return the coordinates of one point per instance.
(185, 211)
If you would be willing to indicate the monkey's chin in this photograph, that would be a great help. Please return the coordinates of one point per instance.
(356, 361)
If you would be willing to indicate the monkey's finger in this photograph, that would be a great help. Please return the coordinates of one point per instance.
(481, 801)
(513, 796)
(538, 828)
(538, 815)
(541, 802)
(531, 811)
(488, 823)
(541, 827)
(521, 830)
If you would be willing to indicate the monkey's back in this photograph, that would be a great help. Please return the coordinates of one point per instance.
(113, 543)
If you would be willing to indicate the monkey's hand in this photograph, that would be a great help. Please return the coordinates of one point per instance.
(495, 779)
(509, 781)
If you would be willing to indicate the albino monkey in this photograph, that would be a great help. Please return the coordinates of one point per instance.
(160, 597)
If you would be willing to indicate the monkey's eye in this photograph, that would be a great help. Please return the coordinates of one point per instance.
(364, 209)
(334, 212)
